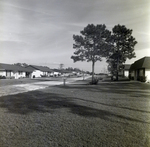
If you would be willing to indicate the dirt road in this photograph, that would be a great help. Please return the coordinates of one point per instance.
(28, 85)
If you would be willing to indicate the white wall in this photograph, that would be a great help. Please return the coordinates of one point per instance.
(56, 73)
(147, 74)
(45, 73)
(37, 73)
(2, 73)
(18, 74)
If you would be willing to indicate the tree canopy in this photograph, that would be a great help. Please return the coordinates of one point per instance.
(96, 42)
(91, 44)
(122, 48)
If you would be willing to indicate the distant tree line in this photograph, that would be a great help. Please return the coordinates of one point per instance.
(21, 64)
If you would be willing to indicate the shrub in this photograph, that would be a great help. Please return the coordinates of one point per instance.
(2, 77)
(95, 81)
(143, 79)
(43, 76)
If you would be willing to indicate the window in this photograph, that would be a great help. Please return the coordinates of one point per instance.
(20, 72)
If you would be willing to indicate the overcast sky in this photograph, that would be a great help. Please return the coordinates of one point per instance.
(40, 31)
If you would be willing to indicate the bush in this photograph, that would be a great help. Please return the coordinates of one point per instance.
(43, 76)
(2, 77)
(143, 79)
(95, 81)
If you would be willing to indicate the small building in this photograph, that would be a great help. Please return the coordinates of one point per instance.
(140, 69)
(125, 70)
(40, 71)
(14, 71)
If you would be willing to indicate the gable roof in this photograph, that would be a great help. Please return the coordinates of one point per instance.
(141, 63)
(12, 67)
(41, 68)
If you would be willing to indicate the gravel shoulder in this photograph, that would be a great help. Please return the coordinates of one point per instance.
(76, 116)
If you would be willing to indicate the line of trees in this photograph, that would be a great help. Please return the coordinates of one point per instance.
(97, 42)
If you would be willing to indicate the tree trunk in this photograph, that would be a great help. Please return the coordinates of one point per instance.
(117, 69)
(93, 63)
(117, 76)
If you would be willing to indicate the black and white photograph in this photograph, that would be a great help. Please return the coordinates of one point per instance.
(74, 73)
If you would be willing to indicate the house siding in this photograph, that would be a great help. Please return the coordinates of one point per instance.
(2, 73)
(15, 75)
(147, 74)
(140, 69)
(20, 74)
(37, 73)
(12, 74)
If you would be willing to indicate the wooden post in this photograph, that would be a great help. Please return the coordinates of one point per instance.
(64, 81)
(83, 74)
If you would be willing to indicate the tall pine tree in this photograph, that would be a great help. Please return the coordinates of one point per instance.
(91, 44)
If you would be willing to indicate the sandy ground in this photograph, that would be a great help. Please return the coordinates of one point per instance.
(9, 87)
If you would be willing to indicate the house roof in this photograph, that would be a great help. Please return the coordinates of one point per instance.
(127, 66)
(12, 67)
(141, 63)
(56, 70)
(41, 68)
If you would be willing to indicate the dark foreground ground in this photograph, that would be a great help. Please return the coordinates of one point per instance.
(104, 115)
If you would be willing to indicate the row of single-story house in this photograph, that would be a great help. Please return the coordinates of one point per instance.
(30, 71)
(40, 71)
(139, 70)
(16, 72)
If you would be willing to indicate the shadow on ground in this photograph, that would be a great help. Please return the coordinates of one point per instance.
(44, 102)
(131, 89)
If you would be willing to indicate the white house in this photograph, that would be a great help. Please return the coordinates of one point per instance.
(40, 71)
(14, 71)
(140, 69)
(55, 73)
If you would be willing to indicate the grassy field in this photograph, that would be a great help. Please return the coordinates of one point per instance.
(104, 115)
